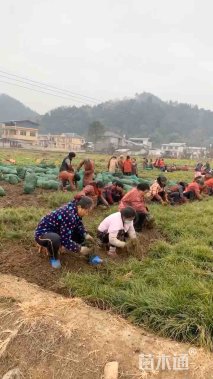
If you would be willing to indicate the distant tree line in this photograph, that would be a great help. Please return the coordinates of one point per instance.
(145, 116)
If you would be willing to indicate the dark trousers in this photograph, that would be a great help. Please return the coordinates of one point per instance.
(174, 197)
(52, 242)
(127, 173)
(139, 221)
(210, 191)
(162, 194)
(189, 195)
(104, 237)
(116, 197)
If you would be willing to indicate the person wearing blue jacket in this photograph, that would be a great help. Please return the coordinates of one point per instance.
(64, 227)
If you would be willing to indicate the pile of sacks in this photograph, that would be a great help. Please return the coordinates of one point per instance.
(127, 181)
(43, 176)
(46, 176)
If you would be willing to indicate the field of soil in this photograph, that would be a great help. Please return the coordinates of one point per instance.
(25, 261)
(16, 198)
(48, 334)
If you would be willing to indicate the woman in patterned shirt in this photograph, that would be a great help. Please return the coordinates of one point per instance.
(64, 227)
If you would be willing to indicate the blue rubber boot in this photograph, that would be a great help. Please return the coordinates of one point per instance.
(95, 260)
(55, 263)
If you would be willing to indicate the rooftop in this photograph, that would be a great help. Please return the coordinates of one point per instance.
(139, 138)
(23, 123)
(71, 135)
(111, 134)
(174, 144)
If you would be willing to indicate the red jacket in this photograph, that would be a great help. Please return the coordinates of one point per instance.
(135, 199)
(209, 183)
(192, 187)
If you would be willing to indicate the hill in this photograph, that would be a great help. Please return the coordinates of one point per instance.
(12, 109)
(144, 115)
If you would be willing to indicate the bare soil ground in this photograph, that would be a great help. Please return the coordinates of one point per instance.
(26, 262)
(23, 260)
(16, 198)
(48, 336)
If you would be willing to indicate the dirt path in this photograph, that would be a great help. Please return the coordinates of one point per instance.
(48, 336)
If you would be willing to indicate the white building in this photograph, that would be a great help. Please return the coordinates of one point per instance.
(155, 153)
(196, 152)
(141, 141)
(174, 149)
(60, 142)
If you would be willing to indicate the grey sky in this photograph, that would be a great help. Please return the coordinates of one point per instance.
(109, 49)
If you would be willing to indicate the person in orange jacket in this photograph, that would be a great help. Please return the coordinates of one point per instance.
(127, 168)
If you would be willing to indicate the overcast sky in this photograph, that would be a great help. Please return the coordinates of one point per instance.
(108, 49)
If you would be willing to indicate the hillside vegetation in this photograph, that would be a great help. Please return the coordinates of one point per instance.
(145, 115)
(12, 109)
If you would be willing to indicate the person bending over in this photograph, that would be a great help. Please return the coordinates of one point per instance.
(158, 192)
(89, 170)
(193, 190)
(64, 227)
(94, 190)
(114, 229)
(135, 198)
(113, 193)
(67, 172)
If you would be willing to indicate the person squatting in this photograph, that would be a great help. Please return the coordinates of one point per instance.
(64, 226)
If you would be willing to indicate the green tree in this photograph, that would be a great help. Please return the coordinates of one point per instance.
(96, 131)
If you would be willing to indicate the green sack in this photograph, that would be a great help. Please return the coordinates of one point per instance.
(8, 170)
(127, 188)
(80, 184)
(21, 171)
(52, 171)
(28, 188)
(47, 184)
(13, 179)
(2, 192)
(52, 184)
(51, 177)
(40, 182)
(39, 169)
(30, 183)
(147, 181)
(40, 174)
